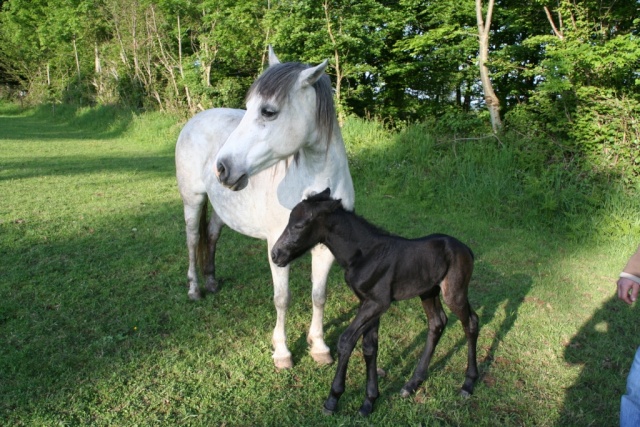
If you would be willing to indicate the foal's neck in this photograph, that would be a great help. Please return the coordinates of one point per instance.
(349, 236)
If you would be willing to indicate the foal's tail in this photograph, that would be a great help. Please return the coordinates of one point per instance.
(203, 239)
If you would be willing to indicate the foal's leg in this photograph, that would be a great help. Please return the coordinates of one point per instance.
(321, 260)
(470, 324)
(437, 321)
(281, 297)
(193, 206)
(368, 314)
(370, 352)
(209, 270)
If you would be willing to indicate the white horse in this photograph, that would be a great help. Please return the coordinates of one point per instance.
(255, 166)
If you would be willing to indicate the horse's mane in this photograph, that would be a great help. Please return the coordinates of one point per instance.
(277, 81)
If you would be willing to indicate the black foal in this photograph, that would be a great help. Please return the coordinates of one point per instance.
(381, 268)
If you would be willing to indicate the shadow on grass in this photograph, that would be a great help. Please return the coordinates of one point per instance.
(65, 122)
(604, 347)
(22, 168)
(76, 312)
(490, 293)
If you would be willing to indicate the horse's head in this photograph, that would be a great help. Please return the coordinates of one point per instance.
(305, 228)
(289, 107)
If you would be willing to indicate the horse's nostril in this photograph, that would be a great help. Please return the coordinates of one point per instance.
(221, 171)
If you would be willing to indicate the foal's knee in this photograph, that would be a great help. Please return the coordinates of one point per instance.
(474, 323)
(370, 344)
(438, 323)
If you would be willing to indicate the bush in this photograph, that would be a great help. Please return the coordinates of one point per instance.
(520, 182)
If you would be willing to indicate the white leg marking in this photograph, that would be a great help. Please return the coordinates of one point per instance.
(321, 261)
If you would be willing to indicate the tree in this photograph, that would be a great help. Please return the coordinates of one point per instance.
(490, 98)
(348, 32)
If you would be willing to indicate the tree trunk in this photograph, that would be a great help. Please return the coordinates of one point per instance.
(337, 67)
(75, 53)
(492, 101)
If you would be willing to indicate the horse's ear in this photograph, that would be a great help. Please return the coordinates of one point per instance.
(313, 74)
(273, 59)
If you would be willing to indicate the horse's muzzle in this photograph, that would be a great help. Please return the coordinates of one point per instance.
(228, 180)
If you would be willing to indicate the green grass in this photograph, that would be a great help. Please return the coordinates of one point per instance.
(96, 327)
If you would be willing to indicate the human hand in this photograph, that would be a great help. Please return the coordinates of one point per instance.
(628, 290)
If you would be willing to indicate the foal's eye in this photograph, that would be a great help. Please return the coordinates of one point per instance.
(268, 112)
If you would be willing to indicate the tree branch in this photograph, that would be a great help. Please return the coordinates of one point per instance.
(553, 25)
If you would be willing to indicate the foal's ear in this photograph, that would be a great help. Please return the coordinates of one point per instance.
(273, 59)
(335, 204)
(311, 75)
(326, 193)
(313, 196)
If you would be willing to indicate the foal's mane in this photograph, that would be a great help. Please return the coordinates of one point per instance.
(372, 228)
(277, 81)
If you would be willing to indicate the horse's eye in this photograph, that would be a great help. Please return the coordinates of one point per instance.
(268, 113)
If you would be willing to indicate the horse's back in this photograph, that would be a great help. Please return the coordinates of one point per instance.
(207, 131)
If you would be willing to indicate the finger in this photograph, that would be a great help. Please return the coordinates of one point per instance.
(623, 291)
(634, 291)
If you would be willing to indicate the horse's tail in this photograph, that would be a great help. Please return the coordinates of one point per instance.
(203, 239)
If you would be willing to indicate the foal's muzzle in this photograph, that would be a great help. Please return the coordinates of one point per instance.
(279, 257)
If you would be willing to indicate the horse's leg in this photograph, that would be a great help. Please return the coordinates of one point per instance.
(281, 354)
(370, 352)
(368, 313)
(193, 210)
(470, 324)
(321, 260)
(209, 263)
(437, 321)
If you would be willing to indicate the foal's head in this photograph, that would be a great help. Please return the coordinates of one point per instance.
(306, 227)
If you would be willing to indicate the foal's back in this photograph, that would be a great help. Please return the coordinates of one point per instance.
(426, 265)
(407, 268)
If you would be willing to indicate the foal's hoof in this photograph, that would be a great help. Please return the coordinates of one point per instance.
(322, 358)
(366, 409)
(404, 393)
(283, 362)
(211, 285)
(328, 412)
(464, 393)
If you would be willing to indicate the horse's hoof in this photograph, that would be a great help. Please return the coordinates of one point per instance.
(211, 286)
(322, 358)
(283, 362)
(195, 295)
(405, 393)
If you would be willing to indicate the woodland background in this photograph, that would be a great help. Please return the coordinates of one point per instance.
(565, 74)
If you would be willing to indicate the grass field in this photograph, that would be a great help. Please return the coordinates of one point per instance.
(96, 327)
